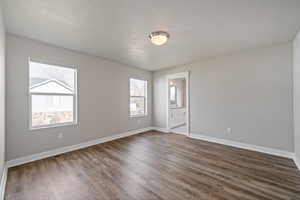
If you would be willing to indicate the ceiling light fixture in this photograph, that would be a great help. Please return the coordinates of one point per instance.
(159, 37)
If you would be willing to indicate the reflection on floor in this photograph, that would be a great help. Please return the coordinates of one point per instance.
(180, 129)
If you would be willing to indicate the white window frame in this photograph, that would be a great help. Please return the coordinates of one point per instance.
(75, 98)
(145, 99)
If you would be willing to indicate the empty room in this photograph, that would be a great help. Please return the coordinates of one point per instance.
(149, 100)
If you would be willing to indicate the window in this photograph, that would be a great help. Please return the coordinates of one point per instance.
(138, 97)
(53, 95)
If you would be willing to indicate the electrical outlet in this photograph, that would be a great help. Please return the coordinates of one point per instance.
(228, 130)
(60, 135)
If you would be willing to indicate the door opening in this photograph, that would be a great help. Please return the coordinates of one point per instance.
(178, 103)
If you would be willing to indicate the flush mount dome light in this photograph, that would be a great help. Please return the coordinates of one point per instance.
(159, 37)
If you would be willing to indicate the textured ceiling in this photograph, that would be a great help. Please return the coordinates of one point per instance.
(118, 29)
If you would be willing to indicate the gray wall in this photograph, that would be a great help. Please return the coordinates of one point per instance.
(250, 92)
(2, 92)
(103, 98)
(296, 68)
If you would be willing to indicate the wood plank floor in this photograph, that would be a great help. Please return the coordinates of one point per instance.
(152, 166)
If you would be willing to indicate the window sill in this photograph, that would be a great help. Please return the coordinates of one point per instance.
(53, 126)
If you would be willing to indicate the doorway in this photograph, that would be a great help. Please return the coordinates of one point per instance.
(178, 103)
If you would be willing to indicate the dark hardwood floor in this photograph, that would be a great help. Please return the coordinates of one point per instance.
(156, 166)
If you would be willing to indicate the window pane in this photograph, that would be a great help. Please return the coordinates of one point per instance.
(48, 110)
(137, 106)
(46, 78)
(138, 87)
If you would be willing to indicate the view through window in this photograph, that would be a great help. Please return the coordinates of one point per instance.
(138, 97)
(52, 95)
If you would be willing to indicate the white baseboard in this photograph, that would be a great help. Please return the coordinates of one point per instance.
(30, 158)
(267, 150)
(177, 125)
(3, 183)
(39, 156)
(297, 162)
(251, 147)
(164, 130)
(178, 132)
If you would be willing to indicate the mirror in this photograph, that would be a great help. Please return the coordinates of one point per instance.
(176, 93)
(173, 95)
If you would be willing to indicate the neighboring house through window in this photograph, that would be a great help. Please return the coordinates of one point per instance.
(138, 97)
(53, 95)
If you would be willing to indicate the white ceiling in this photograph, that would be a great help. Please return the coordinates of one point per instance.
(118, 29)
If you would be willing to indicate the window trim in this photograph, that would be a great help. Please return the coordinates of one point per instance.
(145, 99)
(75, 98)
